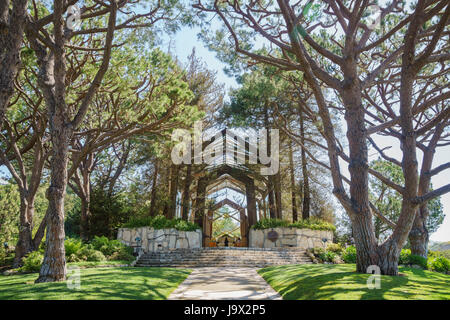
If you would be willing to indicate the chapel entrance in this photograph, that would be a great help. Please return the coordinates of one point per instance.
(226, 225)
(228, 168)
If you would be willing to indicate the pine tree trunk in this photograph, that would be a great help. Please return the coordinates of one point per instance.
(294, 198)
(360, 215)
(25, 242)
(173, 190)
(54, 264)
(200, 202)
(186, 193)
(378, 224)
(419, 236)
(40, 232)
(277, 189)
(306, 192)
(153, 194)
(272, 210)
(12, 25)
(85, 217)
(166, 177)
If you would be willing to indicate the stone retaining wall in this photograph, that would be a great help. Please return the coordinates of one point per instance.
(160, 239)
(290, 237)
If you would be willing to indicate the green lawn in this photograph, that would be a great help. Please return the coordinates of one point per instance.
(91, 264)
(98, 283)
(340, 282)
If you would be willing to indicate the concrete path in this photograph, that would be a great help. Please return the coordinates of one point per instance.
(224, 284)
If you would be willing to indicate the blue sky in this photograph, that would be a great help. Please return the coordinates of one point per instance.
(186, 39)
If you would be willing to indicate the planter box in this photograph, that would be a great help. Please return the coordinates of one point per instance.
(160, 239)
(290, 238)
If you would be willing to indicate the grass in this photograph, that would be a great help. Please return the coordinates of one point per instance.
(340, 282)
(98, 283)
(91, 264)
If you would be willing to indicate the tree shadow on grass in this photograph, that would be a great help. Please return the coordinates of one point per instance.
(341, 282)
(102, 284)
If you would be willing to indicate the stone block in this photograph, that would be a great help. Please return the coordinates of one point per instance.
(319, 244)
(126, 236)
(182, 243)
(159, 234)
(172, 240)
(194, 239)
(256, 238)
(288, 241)
(308, 232)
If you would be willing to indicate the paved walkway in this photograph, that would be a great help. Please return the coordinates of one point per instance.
(224, 284)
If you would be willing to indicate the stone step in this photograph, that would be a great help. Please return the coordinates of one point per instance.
(201, 265)
(226, 262)
(231, 254)
(233, 249)
(222, 263)
(220, 257)
(226, 257)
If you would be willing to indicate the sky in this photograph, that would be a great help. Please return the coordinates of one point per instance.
(186, 39)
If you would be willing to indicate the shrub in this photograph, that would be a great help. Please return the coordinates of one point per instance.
(106, 246)
(73, 258)
(182, 225)
(87, 253)
(328, 256)
(405, 255)
(337, 260)
(312, 223)
(439, 264)
(95, 255)
(161, 222)
(73, 246)
(32, 262)
(335, 247)
(433, 254)
(270, 223)
(112, 249)
(124, 253)
(349, 254)
(318, 251)
(325, 255)
(418, 260)
(137, 222)
(443, 253)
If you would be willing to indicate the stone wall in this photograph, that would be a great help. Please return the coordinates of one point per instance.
(160, 239)
(290, 237)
